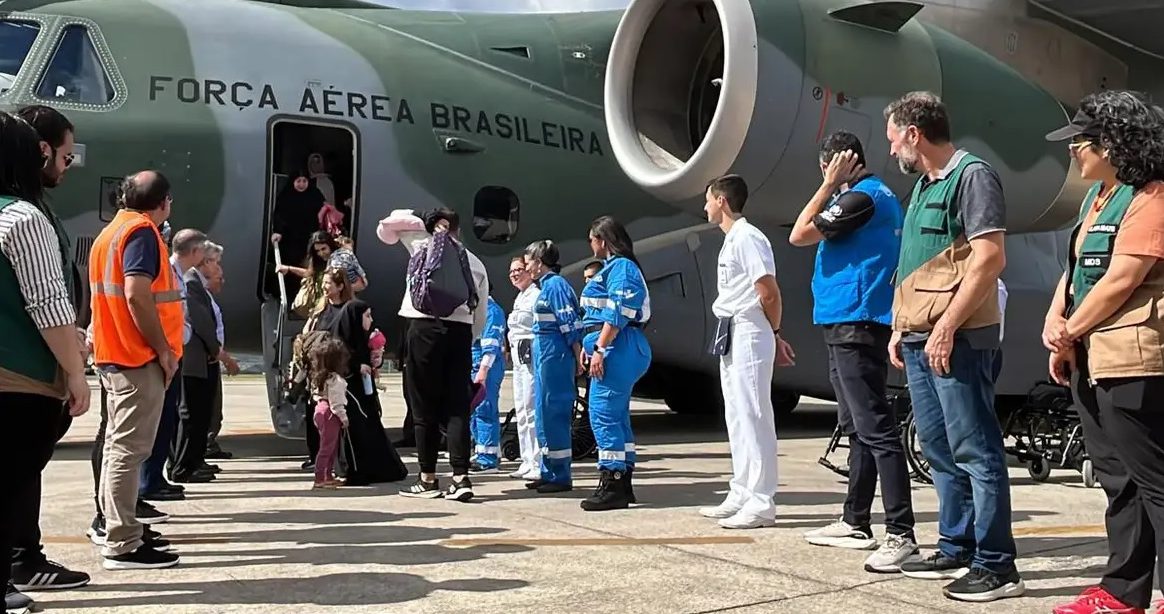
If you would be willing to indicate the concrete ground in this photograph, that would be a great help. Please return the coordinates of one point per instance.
(259, 540)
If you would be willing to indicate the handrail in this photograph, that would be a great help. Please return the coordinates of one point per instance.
(282, 313)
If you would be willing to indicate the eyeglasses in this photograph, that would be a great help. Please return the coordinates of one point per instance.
(69, 160)
(1075, 146)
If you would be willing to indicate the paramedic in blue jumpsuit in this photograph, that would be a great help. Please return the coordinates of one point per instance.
(488, 371)
(616, 305)
(557, 347)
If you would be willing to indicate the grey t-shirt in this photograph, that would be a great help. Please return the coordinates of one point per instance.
(981, 210)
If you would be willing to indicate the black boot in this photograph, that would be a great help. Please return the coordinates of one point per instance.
(628, 488)
(610, 494)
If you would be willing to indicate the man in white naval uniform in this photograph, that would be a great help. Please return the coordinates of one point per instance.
(521, 320)
(747, 340)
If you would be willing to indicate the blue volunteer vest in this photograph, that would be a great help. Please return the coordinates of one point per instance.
(853, 277)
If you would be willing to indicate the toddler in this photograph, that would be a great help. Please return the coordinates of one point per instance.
(329, 365)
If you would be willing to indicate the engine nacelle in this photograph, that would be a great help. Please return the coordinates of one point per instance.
(699, 88)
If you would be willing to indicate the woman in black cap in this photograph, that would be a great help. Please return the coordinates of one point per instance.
(1105, 331)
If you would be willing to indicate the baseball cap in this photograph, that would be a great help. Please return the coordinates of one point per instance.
(1081, 124)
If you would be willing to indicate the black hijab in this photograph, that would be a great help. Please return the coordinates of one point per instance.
(348, 327)
(297, 213)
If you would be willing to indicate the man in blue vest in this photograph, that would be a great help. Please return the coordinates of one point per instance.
(855, 221)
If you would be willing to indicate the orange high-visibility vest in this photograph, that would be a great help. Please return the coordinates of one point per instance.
(116, 339)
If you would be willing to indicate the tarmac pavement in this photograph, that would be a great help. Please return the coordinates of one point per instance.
(258, 539)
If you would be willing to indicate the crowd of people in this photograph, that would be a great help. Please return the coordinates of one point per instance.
(916, 286)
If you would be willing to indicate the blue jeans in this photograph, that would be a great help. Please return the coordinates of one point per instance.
(962, 439)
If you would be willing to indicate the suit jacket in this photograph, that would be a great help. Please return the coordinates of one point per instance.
(203, 347)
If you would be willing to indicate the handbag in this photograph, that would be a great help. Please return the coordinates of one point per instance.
(307, 298)
(525, 351)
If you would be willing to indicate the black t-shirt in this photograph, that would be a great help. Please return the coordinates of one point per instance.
(846, 213)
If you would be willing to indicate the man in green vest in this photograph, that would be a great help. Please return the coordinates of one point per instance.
(945, 334)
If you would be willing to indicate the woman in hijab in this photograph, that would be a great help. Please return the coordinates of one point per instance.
(370, 456)
(295, 218)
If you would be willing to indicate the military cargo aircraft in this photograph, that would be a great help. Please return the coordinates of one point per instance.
(531, 125)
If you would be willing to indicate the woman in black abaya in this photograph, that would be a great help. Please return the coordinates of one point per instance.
(295, 218)
(370, 456)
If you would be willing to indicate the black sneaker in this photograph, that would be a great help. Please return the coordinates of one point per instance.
(163, 494)
(156, 542)
(423, 490)
(45, 575)
(547, 488)
(981, 585)
(219, 455)
(16, 601)
(936, 567)
(460, 490)
(142, 558)
(148, 514)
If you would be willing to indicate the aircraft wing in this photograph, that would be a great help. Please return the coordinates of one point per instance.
(1135, 23)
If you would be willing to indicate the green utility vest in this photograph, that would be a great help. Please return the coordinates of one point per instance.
(1095, 253)
(934, 256)
(22, 348)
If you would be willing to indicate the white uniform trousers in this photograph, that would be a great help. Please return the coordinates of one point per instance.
(523, 403)
(745, 375)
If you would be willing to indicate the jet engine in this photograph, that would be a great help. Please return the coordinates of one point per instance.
(699, 88)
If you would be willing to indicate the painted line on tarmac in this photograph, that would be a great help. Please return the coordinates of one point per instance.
(599, 541)
(1066, 530)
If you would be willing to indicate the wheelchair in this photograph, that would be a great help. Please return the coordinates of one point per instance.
(1047, 434)
(919, 467)
(582, 442)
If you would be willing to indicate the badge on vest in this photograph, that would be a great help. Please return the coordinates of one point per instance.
(1104, 228)
(1094, 261)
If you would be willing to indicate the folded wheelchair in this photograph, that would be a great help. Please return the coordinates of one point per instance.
(919, 467)
(1048, 435)
(582, 440)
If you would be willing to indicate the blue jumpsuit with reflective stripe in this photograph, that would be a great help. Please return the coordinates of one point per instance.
(486, 424)
(557, 328)
(618, 296)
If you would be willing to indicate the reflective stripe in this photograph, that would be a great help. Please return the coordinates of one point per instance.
(488, 343)
(611, 455)
(488, 449)
(111, 289)
(565, 328)
(547, 317)
(629, 446)
(567, 453)
(629, 313)
(597, 303)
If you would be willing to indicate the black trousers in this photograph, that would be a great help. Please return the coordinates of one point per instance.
(98, 453)
(858, 367)
(1123, 430)
(31, 429)
(194, 426)
(439, 358)
(26, 546)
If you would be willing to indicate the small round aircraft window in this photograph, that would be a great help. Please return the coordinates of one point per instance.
(495, 213)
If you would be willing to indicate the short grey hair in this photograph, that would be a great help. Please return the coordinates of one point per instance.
(213, 251)
(187, 240)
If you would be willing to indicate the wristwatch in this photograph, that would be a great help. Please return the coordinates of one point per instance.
(600, 350)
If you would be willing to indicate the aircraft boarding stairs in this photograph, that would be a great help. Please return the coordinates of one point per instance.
(280, 327)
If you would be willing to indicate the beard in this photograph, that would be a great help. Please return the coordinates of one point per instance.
(908, 167)
(49, 180)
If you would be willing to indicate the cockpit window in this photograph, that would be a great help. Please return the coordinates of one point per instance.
(16, 38)
(75, 73)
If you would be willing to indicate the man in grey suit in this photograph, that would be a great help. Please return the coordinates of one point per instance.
(200, 378)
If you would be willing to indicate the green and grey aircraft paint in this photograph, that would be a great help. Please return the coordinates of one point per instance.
(443, 104)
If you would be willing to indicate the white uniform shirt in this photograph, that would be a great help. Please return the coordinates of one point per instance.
(746, 257)
(521, 318)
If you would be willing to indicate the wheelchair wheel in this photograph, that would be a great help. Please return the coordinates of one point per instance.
(510, 449)
(1039, 469)
(1088, 472)
(918, 465)
(582, 440)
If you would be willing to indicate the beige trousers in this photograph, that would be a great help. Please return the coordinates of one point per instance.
(135, 409)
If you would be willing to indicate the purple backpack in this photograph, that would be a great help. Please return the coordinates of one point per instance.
(439, 277)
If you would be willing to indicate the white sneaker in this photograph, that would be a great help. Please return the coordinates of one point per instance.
(723, 510)
(896, 550)
(744, 520)
(841, 534)
(522, 473)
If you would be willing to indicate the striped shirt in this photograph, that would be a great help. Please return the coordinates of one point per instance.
(29, 242)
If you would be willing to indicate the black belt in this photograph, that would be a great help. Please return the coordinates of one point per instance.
(594, 328)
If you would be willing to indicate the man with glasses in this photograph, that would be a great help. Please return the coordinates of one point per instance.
(138, 329)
